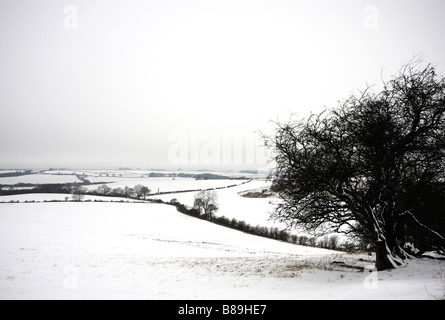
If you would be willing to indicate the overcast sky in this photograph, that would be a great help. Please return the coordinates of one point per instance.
(187, 83)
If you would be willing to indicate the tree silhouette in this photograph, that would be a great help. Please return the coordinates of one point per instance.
(369, 166)
(206, 202)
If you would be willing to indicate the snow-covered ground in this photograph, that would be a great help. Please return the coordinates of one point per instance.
(138, 173)
(92, 250)
(163, 184)
(38, 178)
(48, 197)
(255, 211)
(125, 178)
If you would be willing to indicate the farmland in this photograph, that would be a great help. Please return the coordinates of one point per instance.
(120, 248)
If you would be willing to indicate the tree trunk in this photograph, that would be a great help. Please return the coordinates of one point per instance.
(389, 255)
(383, 259)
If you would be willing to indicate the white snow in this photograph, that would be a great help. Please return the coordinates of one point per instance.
(68, 250)
(40, 179)
(163, 184)
(47, 197)
(255, 211)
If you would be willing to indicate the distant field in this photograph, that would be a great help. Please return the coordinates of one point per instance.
(38, 178)
(163, 184)
(127, 178)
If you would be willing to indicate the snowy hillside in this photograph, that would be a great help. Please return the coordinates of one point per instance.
(150, 251)
(255, 211)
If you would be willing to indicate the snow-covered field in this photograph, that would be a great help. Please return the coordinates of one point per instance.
(38, 178)
(91, 250)
(255, 211)
(163, 184)
(48, 197)
(122, 179)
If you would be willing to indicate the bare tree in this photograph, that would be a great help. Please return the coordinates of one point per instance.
(364, 167)
(333, 241)
(141, 191)
(129, 192)
(103, 190)
(78, 192)
(206, 202)
(118, 192)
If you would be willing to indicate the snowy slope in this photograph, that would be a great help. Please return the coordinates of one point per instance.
(255, 211)
(149, 251)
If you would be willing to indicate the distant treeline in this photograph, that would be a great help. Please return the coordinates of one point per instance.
(197, 176)
(68, 187)
(15, 174)
(8, 190)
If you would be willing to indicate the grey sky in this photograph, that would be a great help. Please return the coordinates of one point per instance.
(183, 83)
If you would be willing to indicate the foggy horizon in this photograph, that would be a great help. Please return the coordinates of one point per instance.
(189, 84)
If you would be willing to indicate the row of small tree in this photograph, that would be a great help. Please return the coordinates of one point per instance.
(137, 192)
(206, 204)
